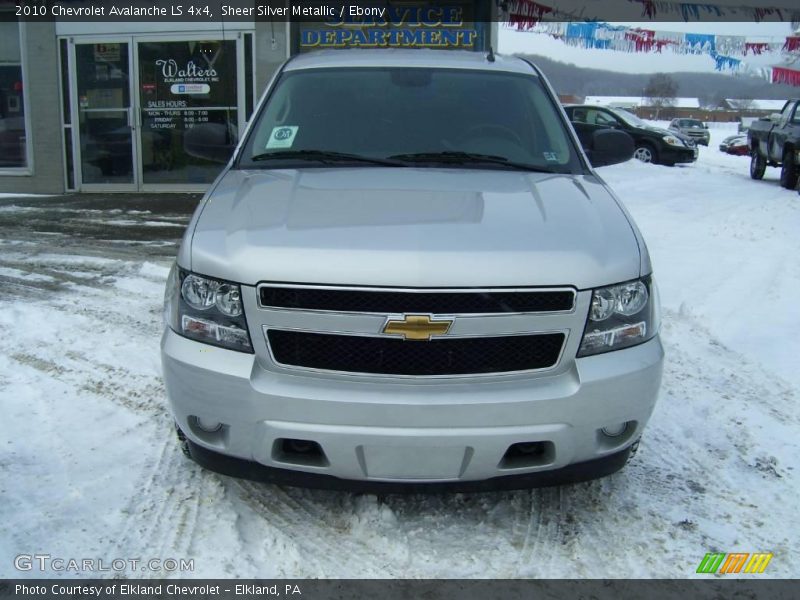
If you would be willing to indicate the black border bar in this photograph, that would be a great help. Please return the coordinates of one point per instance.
(352, 12)
(400, 589)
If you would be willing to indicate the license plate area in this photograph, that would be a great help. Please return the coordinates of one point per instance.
(413, 462)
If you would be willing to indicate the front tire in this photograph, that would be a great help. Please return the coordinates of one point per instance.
(645, 153)
(789, 171)
(758, 165)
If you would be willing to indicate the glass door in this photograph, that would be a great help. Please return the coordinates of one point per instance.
(182, 84)
(105, 115)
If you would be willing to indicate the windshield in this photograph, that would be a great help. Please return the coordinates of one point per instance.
(409, 117)
(629, 118)
(690, 123)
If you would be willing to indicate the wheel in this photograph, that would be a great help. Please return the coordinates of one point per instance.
(758, 165)
(789, 171)
(644, 153)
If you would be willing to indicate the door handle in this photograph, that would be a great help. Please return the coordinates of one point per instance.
(131, 119)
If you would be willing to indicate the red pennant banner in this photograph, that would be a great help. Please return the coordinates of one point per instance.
(792, 44)
(526, 14)
(782, 75)
(755, 47)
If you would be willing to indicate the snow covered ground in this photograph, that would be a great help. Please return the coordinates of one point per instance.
(89, 467)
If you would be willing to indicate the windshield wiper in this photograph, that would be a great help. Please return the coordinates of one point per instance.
(455, 157)
(325, 156)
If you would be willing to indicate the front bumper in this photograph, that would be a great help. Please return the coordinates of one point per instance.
(442, 432)
(678, 154)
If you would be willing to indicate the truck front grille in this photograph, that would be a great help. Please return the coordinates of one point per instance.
(379, 355)
(442, 302)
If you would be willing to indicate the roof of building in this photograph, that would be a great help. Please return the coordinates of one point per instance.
(774, 105)
(632, 101)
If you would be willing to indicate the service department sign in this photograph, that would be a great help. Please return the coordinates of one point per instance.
(394, 26)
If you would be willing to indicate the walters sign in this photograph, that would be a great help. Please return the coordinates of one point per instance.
(171, 72)
(401, 25)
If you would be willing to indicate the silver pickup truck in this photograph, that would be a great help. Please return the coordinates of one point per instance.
(409, 276)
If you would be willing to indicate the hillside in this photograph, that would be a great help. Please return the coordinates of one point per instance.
(568, 78)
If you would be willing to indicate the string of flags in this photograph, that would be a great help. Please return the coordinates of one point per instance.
(727, 51)
(531, 11)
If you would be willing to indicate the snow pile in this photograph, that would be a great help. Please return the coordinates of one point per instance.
(90, 468)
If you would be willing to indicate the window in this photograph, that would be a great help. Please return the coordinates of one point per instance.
(787, 111)
(394, 113)
(13, 139)
(605, 119)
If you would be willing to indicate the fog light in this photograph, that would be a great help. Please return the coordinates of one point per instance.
(209, 426)
(615, 430)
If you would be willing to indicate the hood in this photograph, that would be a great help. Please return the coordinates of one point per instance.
(413, 227)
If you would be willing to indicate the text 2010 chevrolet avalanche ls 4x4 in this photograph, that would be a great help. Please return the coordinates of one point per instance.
(409, 276)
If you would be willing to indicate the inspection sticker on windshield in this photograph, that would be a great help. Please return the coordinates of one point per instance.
(282, 136)
(550, 156)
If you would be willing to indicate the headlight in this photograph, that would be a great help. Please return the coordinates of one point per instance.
(672, 140)
(621, 316)
(199, 292)
(206, 310)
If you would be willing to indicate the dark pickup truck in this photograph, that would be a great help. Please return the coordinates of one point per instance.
(775, 142)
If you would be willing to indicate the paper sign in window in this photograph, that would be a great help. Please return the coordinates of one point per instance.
(282, 136)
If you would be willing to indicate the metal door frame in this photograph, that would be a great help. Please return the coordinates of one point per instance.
(235, 36)
(76, 138)
(135, 108)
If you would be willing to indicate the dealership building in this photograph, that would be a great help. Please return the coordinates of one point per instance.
(103, 105)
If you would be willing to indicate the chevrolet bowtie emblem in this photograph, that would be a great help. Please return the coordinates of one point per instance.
(417, 327)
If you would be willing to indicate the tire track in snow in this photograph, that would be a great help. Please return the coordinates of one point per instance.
(309, 528)
(161, 520)
(543, 531)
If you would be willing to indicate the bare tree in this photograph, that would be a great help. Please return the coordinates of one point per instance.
(660, 91)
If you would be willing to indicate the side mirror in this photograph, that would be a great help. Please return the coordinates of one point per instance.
(211, 141)
(609, 147)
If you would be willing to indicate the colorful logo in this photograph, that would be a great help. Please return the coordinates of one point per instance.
(735, 562)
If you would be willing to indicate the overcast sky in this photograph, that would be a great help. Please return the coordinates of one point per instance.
(646, 62)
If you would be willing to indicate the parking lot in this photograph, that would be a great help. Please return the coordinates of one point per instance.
(90, 467)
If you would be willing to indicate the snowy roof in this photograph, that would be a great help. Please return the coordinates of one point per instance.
(775, 105)
(624, 101)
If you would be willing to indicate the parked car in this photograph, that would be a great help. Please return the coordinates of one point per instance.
(395, 283)
(694, 128)
(735, 144)
(775, 142)
(652, 144)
